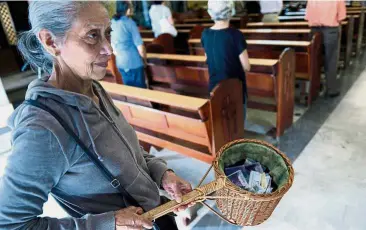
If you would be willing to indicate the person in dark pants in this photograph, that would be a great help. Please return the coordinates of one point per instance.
(325, 17)
(128, 47)
(225, 48)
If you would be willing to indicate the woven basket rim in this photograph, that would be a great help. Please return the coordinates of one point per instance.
(252, 196)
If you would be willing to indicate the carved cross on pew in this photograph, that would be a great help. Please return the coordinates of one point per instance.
(287, 73)
(229, 118)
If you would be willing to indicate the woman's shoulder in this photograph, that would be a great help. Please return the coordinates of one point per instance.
(222, 32)
(123, 20)
(28, 117)
(234, 31)
(206, 32)
(165, 7)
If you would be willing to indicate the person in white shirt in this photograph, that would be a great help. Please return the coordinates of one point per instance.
(157, 13)
(270, 10)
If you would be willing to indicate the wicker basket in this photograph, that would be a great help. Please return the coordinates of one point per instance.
(248, 209)
(237, 206)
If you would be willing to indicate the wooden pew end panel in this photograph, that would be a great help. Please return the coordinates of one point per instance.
(315, 66)
(286, 91)
(227, 112)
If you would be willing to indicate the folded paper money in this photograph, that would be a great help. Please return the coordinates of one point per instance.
(250, 175)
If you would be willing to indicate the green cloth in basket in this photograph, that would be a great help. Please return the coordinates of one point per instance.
(263, 154)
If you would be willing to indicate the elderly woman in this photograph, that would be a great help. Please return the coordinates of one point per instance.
(70, 41)
(128, 47)
(225, 47)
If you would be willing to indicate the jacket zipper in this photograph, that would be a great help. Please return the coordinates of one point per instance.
(116, 129)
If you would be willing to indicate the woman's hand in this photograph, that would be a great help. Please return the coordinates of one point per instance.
(130, 219)
(176, 187)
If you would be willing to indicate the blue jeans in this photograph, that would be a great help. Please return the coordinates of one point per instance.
(134, 77)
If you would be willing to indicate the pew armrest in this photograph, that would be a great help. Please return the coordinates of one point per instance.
(173, 100)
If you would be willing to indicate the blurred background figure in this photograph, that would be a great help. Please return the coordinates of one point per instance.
(128, 47)
(161, 19)
(325, 17)
(225, 47)
(270, 10)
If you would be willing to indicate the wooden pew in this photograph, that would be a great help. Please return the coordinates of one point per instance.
(192, 126)
(237, 22)
(270, 78)
(358, 24)
(190, 26)
(147, 33)
(277, 34)
(288, 18)
(302, 13)
(282, 25)
(308, 57)
(176, 44)
(150, 33)
(113, 74)
(254, 34)
(205, 20)
(360, 30)
(346, 38)
(355, 8)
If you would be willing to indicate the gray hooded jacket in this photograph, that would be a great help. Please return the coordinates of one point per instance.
(45, 159)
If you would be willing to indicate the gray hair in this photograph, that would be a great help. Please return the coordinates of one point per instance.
(54, 16)
(220, 9)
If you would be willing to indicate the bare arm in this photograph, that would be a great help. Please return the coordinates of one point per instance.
(142, 52)
(171, 20)
(244, 60)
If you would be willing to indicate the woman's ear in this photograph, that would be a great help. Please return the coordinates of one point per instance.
(48, 42)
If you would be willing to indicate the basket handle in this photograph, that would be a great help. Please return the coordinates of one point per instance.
(197, 195)
(218, 214)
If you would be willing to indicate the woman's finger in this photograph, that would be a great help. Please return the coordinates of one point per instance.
(177, 194)
(141, 221)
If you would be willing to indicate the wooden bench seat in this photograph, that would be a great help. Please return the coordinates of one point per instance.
(190, 26)
(150, 33)
(346, 38)
(358, 26)
(237, 22)
(270, 78)
(294, 31)
(277, 34)
(308, 57)
(359, 31)
(196, 127)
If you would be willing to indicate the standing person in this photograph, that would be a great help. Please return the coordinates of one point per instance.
(128, 47)
(270, 10)
(70, 41)
(160, 15)
(252, 7)
(325, 17)
(225, 47)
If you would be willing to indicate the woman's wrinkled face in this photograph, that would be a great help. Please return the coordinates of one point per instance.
(86, 48)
